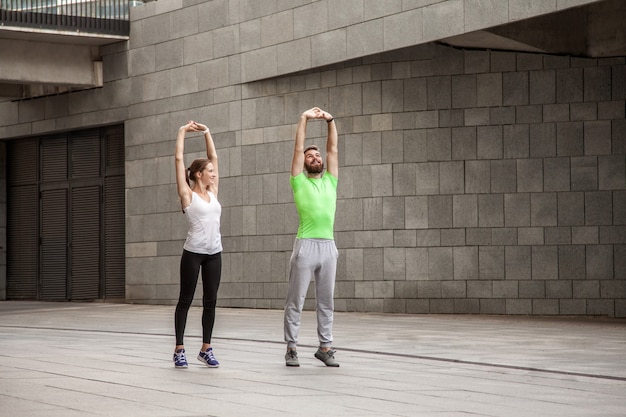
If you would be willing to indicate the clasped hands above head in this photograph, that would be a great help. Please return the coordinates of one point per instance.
(317, 113)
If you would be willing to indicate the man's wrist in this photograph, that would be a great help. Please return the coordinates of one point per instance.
(330, 120)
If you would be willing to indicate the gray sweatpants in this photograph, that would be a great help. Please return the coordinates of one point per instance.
(311, 258)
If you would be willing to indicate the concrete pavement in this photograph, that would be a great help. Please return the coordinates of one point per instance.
(100, 359)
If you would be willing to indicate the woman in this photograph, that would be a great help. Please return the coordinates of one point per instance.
(197, 189)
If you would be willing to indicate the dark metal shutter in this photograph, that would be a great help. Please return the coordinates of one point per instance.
(54, 245)
(23, 243)
(85, 151)
(23, 219)
(114, 214)
(114, 251)
(54, 241)
(85, 238)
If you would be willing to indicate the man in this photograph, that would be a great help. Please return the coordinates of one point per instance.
(314, 252)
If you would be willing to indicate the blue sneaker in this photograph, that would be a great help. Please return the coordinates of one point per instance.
(180, 361)
(208, 359)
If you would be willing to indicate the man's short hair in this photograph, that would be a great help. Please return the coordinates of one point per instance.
(311, 147)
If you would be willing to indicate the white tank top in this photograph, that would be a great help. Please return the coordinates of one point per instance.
(204, 225)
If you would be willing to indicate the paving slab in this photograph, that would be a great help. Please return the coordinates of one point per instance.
(103, 359)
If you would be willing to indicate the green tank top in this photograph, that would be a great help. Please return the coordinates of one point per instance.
(316, 202)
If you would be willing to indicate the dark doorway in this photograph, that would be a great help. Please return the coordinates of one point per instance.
(65, 229)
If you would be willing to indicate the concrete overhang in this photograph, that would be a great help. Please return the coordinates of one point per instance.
(597, 30)
(36, 62)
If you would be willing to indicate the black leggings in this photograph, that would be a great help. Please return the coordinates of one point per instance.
(190, 264)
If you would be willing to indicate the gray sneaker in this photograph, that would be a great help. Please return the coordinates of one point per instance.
(327, 357)
(291, 358)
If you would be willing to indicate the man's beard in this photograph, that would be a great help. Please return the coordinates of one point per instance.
(317, 169)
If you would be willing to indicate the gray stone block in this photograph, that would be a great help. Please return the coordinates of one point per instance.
(451, 177)
(440, 261)
(416, 92)
(491, 263)
(404, 179)
(490, 210)
(479, 289)
(519, 307)
(601, 307)
(465, 210)
(427, 119)
(516, 210)
(416, 213)
(555, 113)
(532, 289)
(393, 213)
(598, 208)
(569, 85)
(597, 83)
(611, 110)
(530, 236)
(465, 263)
(451, 118)
(612, 172)
(572, 307)
(572, 262)
(440, 211)
(583, 289)
(597, 137)
(546, 307)
(543, 209)
(584, 173)
(503, 61)
(478, 236)
(505, 289)
(427, 178)
(465, 306)
(452, 237)
(392, 147)
(489, 90)
(542, 139)
(542, 87)
(477, 177)
(545, 263)
(585, 235)
(618, 127)
(492, 306)
(439, 144)
(613, 289)
(570, 139)
(417, 264)
(476, 117)
(489, 142)
(429, 289)
(504, 236)
(529, 175)
(503, 176)
(475, 61)
(463, 143)
(571, 209)
(599, 262)
(515, 88)
(464, 93)
(439, 91)
(558, 235)
(516, 141)
(517, 265)
(556, 174)
(501, 115)
(583, 111)
(373, 264)
(430, 237)
(619, 208)
(529, 114)
(559, 289)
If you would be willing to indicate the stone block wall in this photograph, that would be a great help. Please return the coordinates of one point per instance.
(470, 182)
